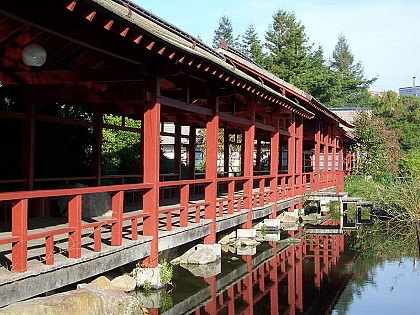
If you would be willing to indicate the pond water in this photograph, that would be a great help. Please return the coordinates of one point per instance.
(299, 273)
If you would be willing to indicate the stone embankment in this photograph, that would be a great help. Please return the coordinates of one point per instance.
(100, 297)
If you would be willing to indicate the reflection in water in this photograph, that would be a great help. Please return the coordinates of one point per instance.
(301, 273)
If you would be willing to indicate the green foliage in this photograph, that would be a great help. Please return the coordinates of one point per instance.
(166, 272)
(288, 47)
(358, 186)
(224, 32)
(410, 164)
(334, 211)
(252, 47)
(120, 148)
(401, 113)
(377, 148)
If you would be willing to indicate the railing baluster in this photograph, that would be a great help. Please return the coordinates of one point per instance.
(231, 196)
(97, 242)
(49, 250)
(20, 229)
(117, 213)
(134, 230)
(75, 223)
(184, 201)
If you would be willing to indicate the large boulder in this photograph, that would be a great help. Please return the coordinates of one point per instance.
(125, 283)
(88, 299)
(201, 254)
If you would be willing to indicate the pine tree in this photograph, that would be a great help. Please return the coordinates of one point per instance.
(252, 47)
(224, 32)
(288, 46)
(350, 77)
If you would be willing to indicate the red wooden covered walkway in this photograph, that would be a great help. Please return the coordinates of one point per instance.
(111, 57)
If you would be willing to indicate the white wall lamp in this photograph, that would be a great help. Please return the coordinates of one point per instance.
(34, 55)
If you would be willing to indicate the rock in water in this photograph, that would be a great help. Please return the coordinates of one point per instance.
(125, 283)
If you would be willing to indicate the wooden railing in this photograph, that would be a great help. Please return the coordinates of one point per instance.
(233, 195)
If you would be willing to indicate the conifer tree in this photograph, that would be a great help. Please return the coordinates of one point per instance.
(224, 32)
(252, 47)
(288, 46)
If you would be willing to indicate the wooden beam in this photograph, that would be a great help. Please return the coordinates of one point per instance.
(68, 76)
(184, 106)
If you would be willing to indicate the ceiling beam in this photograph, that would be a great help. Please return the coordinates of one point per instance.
(68, 76)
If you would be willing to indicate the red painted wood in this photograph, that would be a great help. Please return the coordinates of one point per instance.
(291, 158)
(75, 224)
(184, 201)
(49, 250)
(249, 167)
(97, 241)
(151, 137)
(274, 170)
(20, 230)
(117, 214)
(212, 128)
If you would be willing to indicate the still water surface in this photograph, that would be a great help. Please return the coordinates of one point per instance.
(300, 274)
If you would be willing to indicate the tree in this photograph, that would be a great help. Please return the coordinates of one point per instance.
(252, 47)
(224, 32)
(377, 147)
(288, 46)
(352, 86)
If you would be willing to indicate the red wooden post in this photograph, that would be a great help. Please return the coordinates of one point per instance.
(184, 202)
(274, 170)
(291, 159)
(291, 285)
(151, 139)
(49, 250)
(211, 306)
(299, 153)
(97, 241)
(249, 167)
(261, 192)
(212, 129)
(20, 229)
(134, 230)
(75, 223)
(231, 196)
(117, 213)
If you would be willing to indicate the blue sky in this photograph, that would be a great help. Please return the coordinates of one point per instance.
(383, 35)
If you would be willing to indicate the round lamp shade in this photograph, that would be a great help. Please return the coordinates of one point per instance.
(34, 55)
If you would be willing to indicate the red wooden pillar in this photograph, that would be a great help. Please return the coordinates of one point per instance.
(75, 223)
(326, 154)
(273, 269)
(151, 160)
(291, 159)
(274, 170)
(299, 153)
(249, 167)
(212, 132)
(117, 214)
(299, 277)
(291, 285)
(317, 156)
(20, 229)
(211, 306)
